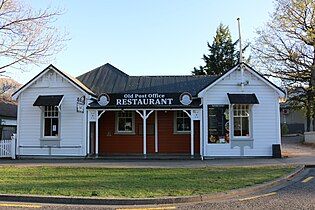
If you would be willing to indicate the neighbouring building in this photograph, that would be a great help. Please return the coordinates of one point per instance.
(8, 115)
(294, 119)
(106, 112)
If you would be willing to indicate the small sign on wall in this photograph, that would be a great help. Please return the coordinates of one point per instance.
(92, 115)
(195, 114)
(80, 104)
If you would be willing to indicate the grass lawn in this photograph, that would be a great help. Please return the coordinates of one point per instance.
(134, 183)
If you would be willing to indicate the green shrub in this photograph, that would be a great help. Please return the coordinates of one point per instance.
(284, 129)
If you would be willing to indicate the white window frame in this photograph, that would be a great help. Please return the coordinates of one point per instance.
(250, 136)
(51, 117)
(175, 122)
(117, 131)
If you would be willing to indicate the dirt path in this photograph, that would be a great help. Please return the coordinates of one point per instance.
(294, 147)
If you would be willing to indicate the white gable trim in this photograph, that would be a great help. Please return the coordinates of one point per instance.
(202, 93)
(32, 81)
(267, 82)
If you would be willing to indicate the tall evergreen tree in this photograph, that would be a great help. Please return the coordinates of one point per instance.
(222, 54)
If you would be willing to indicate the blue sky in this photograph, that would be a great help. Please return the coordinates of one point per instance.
(146, 37)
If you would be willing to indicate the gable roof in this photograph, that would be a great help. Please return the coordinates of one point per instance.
(109, 79)
(249, 68)
(71, 79)
(8, 109)
(264, 78)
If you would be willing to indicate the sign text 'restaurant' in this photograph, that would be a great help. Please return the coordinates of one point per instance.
(144, 99)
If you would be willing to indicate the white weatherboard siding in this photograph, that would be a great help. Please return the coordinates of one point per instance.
(72, 124)
(265, 115)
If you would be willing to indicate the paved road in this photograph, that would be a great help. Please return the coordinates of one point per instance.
(298, 195)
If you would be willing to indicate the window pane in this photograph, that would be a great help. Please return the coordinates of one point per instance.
(187, 124)
(241, 120)
(245, 126)
(182, 121)
(180, 124)
(125, 120)
(55, 112)
(51, 121)
(128, 124)
(237, 126)
(47, 127)
(54, 127)
(121, 124)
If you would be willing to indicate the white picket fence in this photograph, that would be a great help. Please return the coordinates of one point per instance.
(7, 148)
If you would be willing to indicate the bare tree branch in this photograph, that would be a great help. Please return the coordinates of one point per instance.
(28, 36)
(285, 49)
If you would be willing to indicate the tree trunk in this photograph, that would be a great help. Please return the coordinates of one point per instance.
(308, 124)
(312, 89)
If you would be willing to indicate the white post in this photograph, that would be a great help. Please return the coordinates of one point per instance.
(201, 135)
(88, 140)
(98, 116)
(241, 54)
(191, 137)
(191, 131)
(13, 139)
(144, 116)
(204, 119)
(96, 135)
(156, 146)
(144, 132)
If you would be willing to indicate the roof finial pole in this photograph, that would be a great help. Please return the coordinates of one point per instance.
(240, 40)
(241, 54)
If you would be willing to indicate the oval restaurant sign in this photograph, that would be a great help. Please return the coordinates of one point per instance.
(145, 99)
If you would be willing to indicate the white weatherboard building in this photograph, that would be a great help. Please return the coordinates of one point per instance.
(106, 112)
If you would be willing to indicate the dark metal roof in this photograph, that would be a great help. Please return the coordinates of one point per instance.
(8, 109)
(51, 100)
(109, 79)
(243, 98)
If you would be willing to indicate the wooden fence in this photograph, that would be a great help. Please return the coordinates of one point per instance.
(7, 148)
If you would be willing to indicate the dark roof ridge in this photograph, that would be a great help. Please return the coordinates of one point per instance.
(175, 76)
(119, 82)
(104, 65)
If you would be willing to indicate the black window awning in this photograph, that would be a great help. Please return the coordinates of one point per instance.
(48, 100)
(243, 98)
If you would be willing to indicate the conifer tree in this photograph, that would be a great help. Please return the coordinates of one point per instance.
(222, 54)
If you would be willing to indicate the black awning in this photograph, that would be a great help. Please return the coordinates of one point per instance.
(48, 100)
(243, 98)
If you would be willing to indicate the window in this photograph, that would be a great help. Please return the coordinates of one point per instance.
(51, 121)
(6, 131)
(125, 122)
(182, 122)
(241, 119)
(218, 124)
